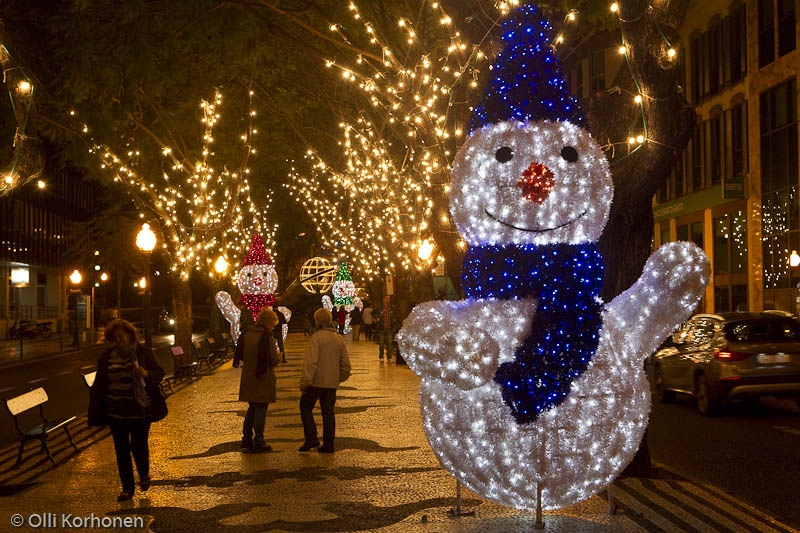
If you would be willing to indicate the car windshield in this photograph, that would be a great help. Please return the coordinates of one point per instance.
(763, 330)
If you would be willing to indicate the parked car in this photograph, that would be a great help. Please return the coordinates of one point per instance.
(723, 357)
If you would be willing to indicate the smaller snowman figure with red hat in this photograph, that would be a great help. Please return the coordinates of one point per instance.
(257, 281)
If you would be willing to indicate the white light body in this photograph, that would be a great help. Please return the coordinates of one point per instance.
(252, 279)
(575, 449)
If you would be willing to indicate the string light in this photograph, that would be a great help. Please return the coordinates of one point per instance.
(204, 210)
(373, 209)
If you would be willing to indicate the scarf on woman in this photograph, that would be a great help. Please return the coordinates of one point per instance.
(566, 279)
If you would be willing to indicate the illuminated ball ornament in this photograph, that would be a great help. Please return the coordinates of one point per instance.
(533, 382)
(317, 275)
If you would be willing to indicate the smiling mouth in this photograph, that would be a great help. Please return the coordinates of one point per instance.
(542, 230)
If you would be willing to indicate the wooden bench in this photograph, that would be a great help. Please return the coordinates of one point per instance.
(218, 349)
(229, 343)
(182, 369)
(29, 400)
(203, 354)
(166, 361)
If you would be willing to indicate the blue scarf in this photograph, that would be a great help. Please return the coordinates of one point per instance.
(565, 331)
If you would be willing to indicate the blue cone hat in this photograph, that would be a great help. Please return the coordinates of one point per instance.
(526, 81)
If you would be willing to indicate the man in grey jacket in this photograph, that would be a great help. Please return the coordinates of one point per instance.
(325, 365)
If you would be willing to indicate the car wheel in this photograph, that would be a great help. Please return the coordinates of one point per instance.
(663, 394)
(707, 404)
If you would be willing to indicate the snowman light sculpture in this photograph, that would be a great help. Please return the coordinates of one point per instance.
(257, 281)
(344, 295)
(532, 386)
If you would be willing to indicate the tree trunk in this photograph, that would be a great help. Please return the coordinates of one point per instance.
(182, 308)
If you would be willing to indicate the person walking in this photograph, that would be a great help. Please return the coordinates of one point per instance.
(367, 321)
(278, 331)
(257, 351)
(386, 322)
(341, 319)
(119, 399)
(355, 322)
(325, 365)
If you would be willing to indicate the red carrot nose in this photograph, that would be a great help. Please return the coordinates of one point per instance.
(536, 182)
(257, 281)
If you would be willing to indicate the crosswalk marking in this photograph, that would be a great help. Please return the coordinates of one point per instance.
(672, 505)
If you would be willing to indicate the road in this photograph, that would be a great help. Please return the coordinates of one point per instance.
(60, 373)
(749, 451)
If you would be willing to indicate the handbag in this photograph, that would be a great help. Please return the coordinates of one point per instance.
(158, 403)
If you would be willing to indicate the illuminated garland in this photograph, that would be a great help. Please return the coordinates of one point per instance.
(202, 211)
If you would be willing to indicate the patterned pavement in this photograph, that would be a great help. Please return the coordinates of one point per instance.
(383, 476)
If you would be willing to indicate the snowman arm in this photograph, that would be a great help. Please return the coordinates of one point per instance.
(672, 282)
(229, 310)
(461, 343)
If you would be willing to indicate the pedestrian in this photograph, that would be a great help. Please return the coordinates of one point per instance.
(386, 322)
(355, 322)
(341, 318)
(257, 351)
(367, 321)
(325, 365)
(278, 332)
(125, 397)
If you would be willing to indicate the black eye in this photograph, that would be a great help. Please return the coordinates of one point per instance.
(249, 275)
(504, 154)
(569, 154)
(264, 274)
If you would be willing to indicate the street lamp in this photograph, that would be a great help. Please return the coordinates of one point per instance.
(75, 278)
(146, 242)
(221, 265)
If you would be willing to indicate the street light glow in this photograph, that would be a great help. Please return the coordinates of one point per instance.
(146, 239)
(221, 265)
(75, 277)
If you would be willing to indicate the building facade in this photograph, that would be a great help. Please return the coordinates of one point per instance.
(34, 241)
(735, 190)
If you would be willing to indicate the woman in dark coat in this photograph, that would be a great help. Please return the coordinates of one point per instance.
(258, 350)
(118, 398)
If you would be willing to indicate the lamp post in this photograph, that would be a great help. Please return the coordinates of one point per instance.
(794, 262)
(75, 278)
(215, 315)
(146, 242)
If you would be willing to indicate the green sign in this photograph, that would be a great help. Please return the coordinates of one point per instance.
(733, 187)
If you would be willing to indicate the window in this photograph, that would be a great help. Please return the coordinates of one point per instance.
(697, 159)
(716, 138)
(787, 35)
(737, 119)
(735, 49)
(780, 212)
(766, 32)
(730, 261)
(772, 14)
(597, 70)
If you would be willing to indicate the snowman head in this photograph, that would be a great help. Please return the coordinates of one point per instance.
(258, 275)
(533, 182)
(529, 173)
